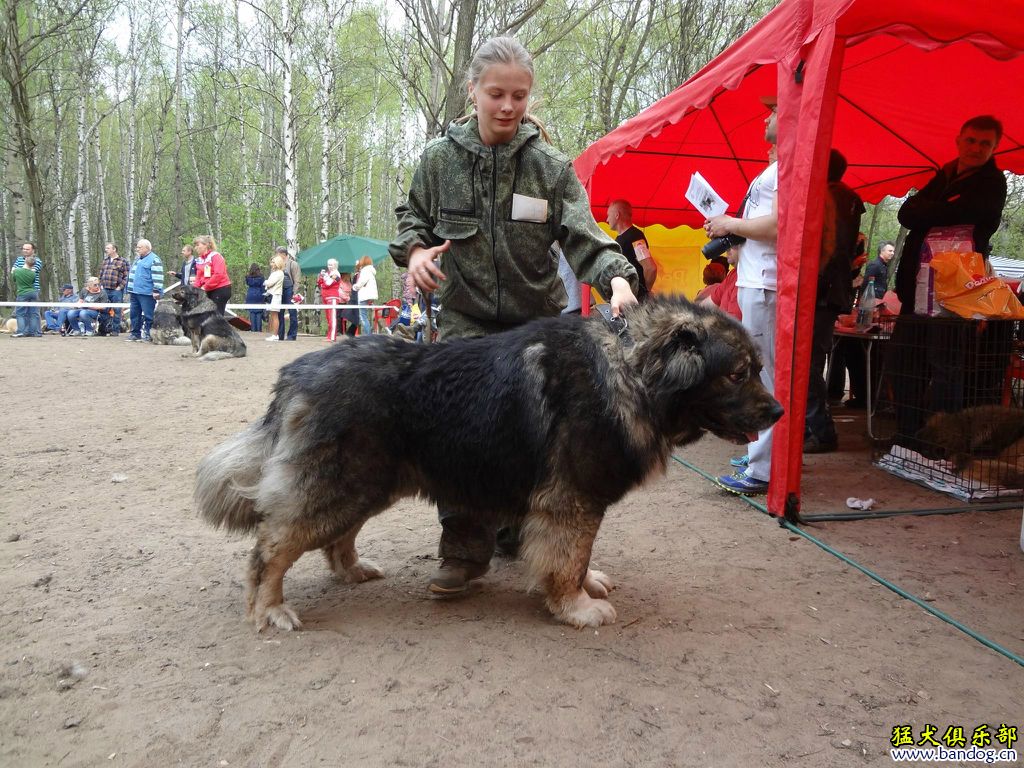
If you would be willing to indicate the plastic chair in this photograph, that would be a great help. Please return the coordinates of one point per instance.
(385, 316)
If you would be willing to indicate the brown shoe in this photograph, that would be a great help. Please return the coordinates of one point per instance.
(453, 576)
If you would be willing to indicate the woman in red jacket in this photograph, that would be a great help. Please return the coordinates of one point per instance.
(212, 272)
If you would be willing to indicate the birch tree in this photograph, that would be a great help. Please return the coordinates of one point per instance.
(31, 34)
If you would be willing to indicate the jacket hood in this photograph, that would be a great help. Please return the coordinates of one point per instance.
(467, 136)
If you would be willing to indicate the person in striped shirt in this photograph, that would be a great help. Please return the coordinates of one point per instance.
(29, 249)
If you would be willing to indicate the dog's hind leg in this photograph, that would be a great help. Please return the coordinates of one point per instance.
(275, 551)
(556, 546)
(345, 562)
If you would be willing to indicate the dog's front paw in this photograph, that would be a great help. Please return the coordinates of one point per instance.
(363, 570)
(584, 611)
(280, 616)
(597, 584)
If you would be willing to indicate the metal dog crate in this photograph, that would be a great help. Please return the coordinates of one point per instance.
(933, 365)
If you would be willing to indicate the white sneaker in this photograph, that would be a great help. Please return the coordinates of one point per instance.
(272, 338)
(89, 333)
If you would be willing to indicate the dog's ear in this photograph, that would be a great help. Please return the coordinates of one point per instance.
(677, 363)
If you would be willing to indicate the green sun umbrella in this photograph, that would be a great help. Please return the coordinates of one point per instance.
(347, 249)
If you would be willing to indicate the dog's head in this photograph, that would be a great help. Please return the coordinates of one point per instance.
(177, 294)
(192, 300)
(701, 371)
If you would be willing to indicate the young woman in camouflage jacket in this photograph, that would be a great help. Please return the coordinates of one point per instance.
(486, 203)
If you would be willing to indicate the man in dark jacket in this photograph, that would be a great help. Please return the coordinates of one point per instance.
(841, 225)
(878, 268)
(968, 190)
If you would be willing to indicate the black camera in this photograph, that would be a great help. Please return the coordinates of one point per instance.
(719, 245)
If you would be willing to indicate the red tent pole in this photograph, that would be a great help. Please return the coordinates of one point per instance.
(806, 114)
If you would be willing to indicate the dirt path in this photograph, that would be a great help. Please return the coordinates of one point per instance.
(738, 643)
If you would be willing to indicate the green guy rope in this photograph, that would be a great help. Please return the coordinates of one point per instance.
(872, 575)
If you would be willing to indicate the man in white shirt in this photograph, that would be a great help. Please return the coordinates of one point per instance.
(756, 293)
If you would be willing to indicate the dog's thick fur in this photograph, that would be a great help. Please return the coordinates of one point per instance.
(547, 424)
(166, 328)
(211, 334)
(9, 325)
(984, 443)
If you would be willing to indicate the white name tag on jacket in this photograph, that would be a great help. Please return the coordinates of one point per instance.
(529, 209)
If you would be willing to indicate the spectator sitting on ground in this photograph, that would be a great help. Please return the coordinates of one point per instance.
(81, 317)
(57, 316)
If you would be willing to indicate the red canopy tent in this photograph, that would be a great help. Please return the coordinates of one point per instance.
(887, 83)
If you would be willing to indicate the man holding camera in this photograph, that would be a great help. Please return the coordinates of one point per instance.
(756, 286)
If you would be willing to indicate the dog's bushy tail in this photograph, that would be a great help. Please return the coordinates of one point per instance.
(228, 477)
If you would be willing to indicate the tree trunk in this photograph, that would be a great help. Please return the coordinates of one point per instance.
(200, 179)
(243, 149)
(71, 228)
(291, 203)
(176, 223)
(13, 68)
(130, 165)
(6, 224)
(455, 99)
(101, 187)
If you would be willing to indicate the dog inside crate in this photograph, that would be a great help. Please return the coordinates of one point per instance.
(948, 392)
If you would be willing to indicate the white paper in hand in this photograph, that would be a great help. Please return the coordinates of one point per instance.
(704, 198)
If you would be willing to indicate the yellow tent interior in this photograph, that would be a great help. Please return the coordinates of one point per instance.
(677, 254)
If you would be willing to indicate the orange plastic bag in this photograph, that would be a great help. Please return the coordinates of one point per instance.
(962, 287)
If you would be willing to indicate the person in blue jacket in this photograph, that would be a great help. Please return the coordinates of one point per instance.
(254, 295)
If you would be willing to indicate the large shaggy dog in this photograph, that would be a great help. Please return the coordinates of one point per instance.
(211, 334)
(547, 424)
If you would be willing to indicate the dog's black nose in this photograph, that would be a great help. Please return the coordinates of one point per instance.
(777, 411)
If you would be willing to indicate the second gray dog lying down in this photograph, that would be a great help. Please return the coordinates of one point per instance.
(211, 334)
(166, 327)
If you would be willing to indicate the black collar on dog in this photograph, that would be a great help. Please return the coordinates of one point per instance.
(618, 325)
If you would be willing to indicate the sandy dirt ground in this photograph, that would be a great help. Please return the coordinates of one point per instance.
(738, 642)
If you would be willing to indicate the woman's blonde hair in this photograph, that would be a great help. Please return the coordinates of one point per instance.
(332, 261)
(91, 280)
(277, 263)
(502, 50)
(206, 240)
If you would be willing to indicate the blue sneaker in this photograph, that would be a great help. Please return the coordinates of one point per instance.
(743, 484)
(740, 461)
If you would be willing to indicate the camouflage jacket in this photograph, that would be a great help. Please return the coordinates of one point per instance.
(500, 270)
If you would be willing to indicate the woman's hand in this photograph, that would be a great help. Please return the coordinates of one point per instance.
(425, 272)
(622, 295)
